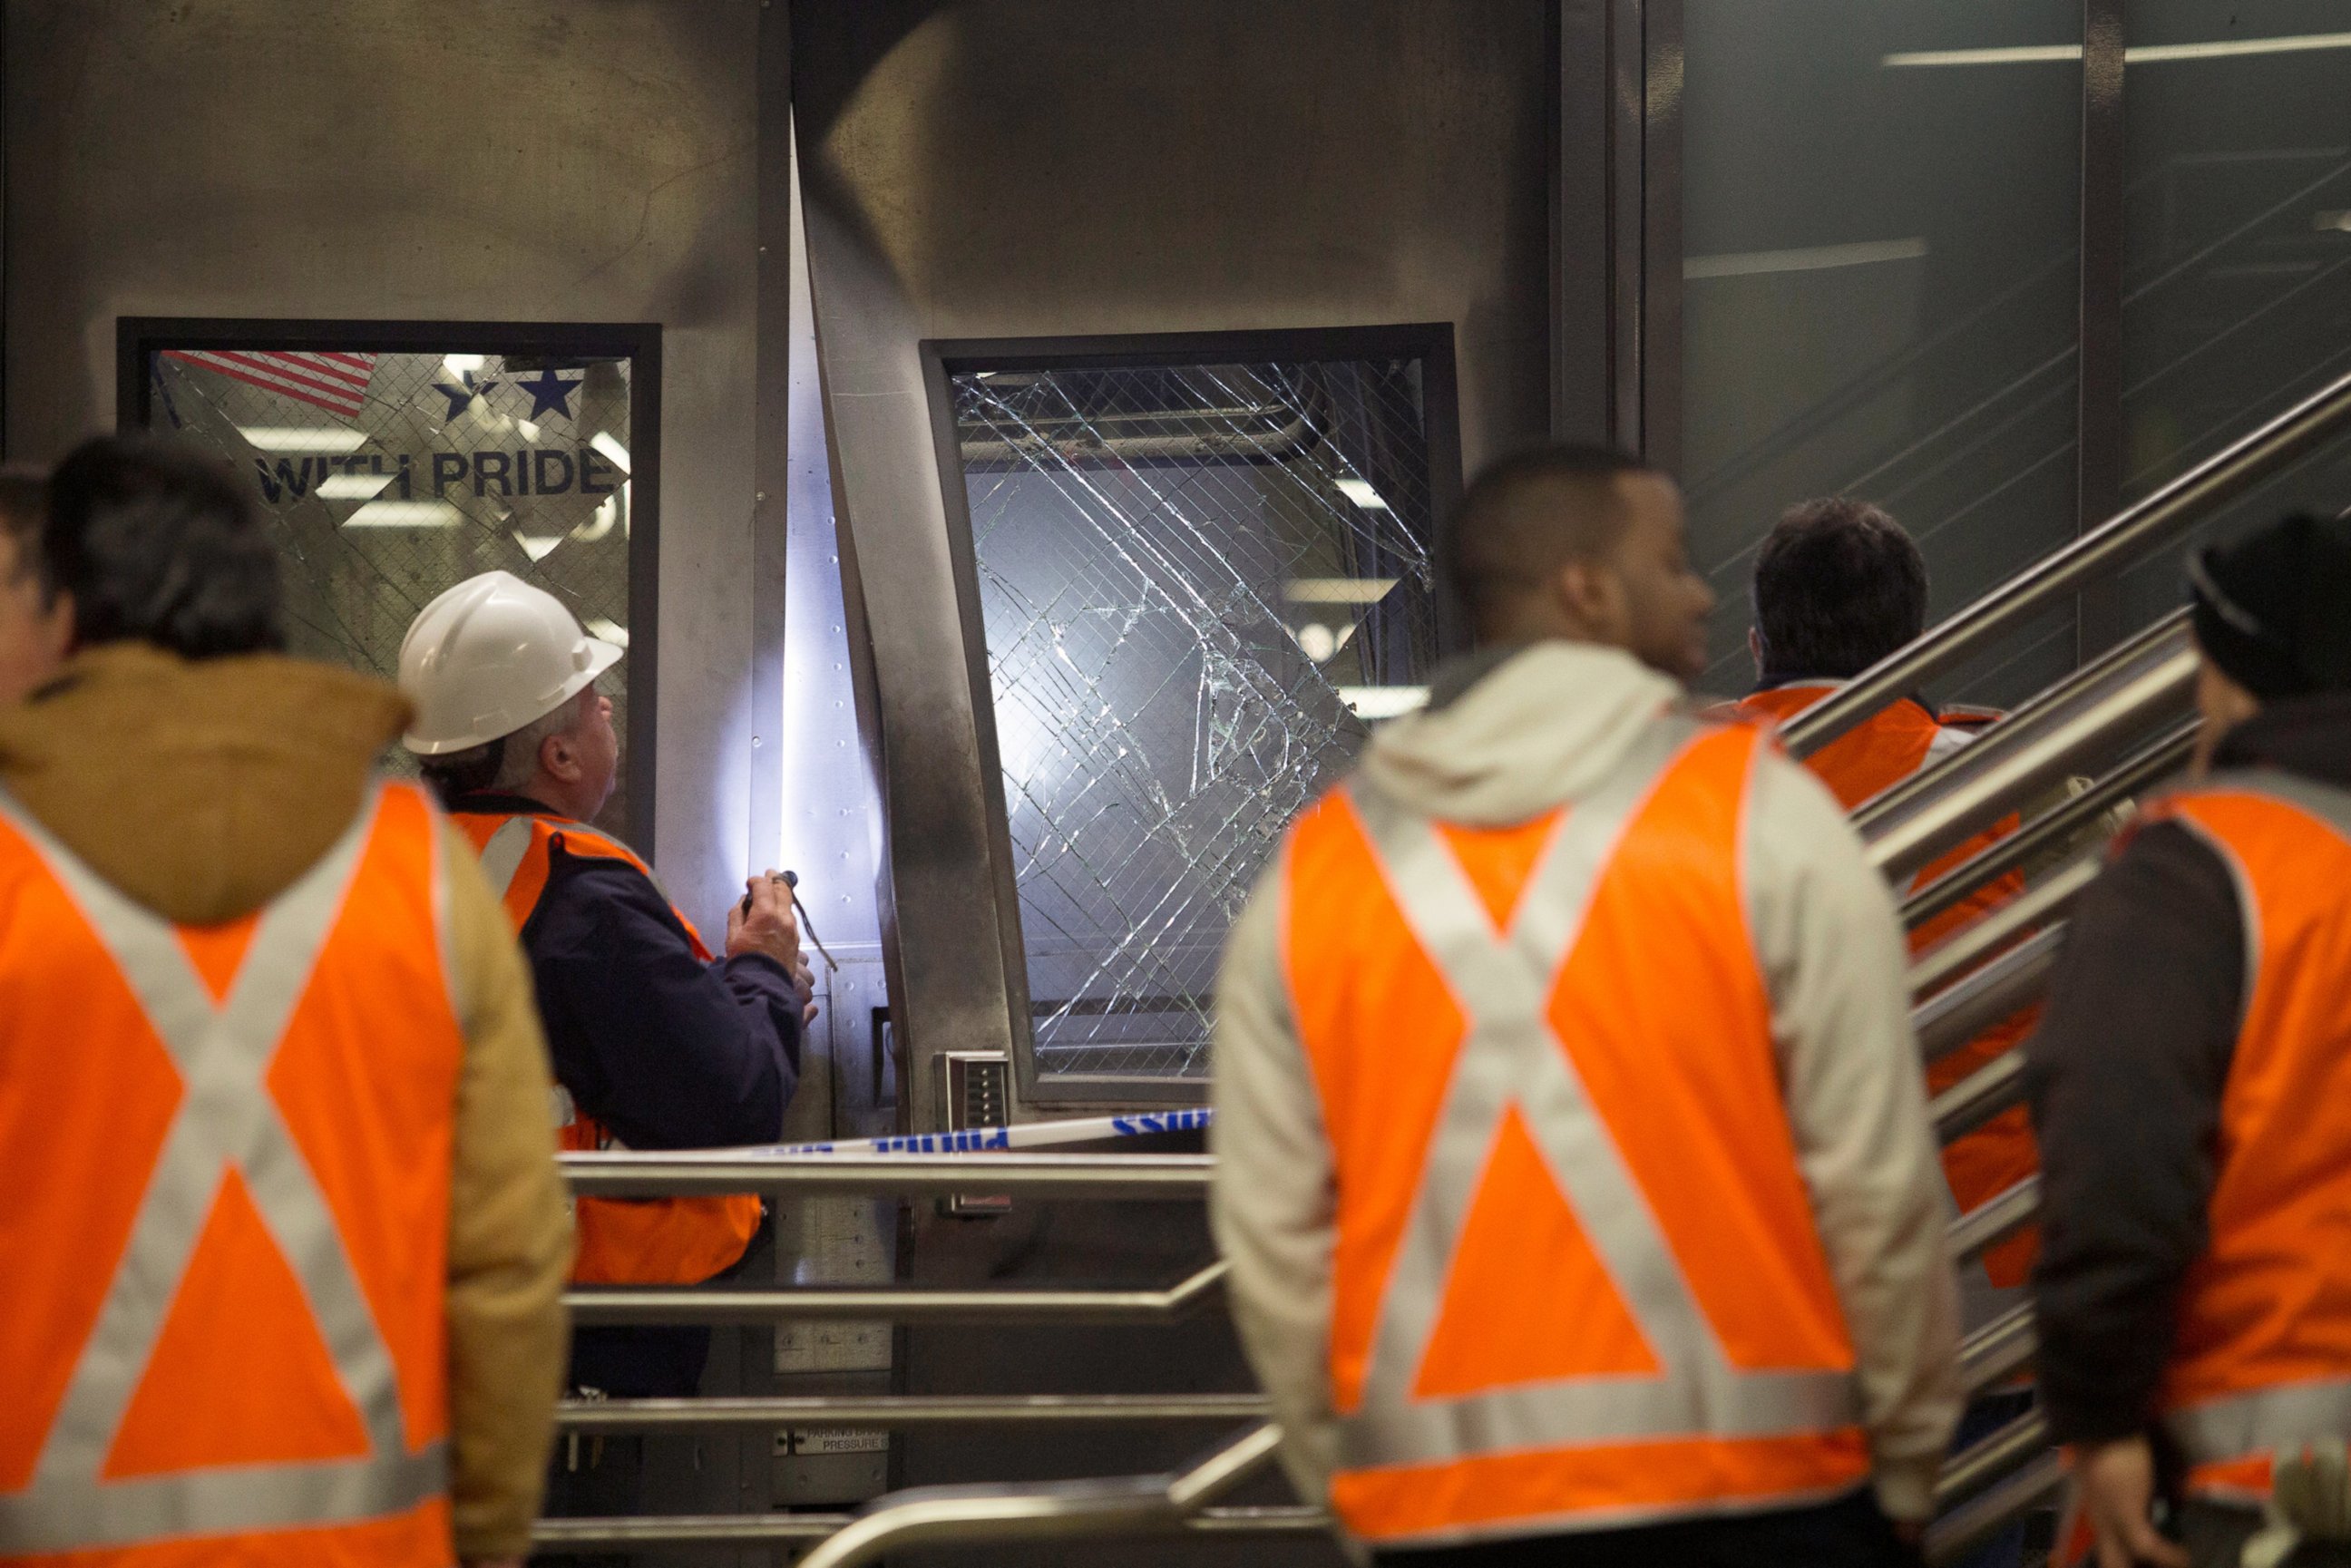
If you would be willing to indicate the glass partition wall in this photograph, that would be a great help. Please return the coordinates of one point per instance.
(393, 461)
(2236, 247)
(1901, 220)
(1881, 250)
(1201, 580)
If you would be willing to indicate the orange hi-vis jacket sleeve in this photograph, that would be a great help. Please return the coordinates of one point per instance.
(622, 1241)
(2260, 1362)
(224, 1335)
(1882, 751)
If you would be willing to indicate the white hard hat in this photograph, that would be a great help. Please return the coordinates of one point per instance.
(489, 656)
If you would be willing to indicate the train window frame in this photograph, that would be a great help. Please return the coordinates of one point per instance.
(1431, 344)
(139, 337)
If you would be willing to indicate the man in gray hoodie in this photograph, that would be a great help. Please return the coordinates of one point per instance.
(1573, 1159)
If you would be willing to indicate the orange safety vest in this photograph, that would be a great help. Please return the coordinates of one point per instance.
(1865, 761)
(221, 1336)
(622, 1241)
(2260, 1359)
(1577, 1279)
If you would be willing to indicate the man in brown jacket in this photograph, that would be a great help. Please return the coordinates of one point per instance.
(185, 760)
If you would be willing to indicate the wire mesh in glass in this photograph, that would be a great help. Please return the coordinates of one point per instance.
(1200, 584)
(387, 477)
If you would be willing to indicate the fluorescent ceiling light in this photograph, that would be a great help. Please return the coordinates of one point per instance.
(2225, 48)
(2145, 55)
(529, 431)
(1810, 259)
(1383, 701)
(1337, 590)
(612, 631)
(1360, 491)
(404, 515)
(462, 364)
(352, 487)
(602, 442)
(2031, 54)
(303, 437)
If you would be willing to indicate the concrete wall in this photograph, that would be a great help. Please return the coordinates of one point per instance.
(534, 160)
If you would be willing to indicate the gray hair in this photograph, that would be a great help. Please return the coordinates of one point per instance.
(505, 764)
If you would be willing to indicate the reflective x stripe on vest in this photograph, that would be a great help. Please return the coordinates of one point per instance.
(505, 851)
(501, 856)
(226, 1120)
(2265, 1328)
(1511, 1059)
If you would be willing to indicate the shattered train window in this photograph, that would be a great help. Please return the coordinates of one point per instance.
(1200, 584)
(387, 477)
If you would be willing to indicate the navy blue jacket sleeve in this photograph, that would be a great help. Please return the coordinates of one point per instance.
(666, 1050)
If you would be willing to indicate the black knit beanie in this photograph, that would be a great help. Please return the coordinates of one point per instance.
(2273, 609)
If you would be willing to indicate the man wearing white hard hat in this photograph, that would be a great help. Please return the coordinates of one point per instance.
(657, 1043)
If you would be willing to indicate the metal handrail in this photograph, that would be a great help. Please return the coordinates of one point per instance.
(560, 1536)
(1954, 1015)
(694, 1305)
(984, 1513)
(604, 1532)
(1979, 1097)
(2058, 702)
(1989, 1459)
(2000, 1350)
(1135, 1176)
(897, 1412)
(2149, 764)
(2101, 709)
(2129, 534)
(1996, 1218)
(1946, 960)
(1950, 1538)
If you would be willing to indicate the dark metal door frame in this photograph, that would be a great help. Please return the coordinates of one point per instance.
(1617, 225)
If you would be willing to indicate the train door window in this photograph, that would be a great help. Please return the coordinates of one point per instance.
(1203, 571)
(393, 461)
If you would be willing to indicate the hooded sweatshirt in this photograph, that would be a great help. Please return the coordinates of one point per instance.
(1510, 735)
(202, 789)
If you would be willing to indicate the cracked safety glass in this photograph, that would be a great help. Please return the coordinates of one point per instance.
(387, 477)
(1200, 585)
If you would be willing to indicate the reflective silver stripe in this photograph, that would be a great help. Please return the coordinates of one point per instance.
(66, 1515)
(227, 1118)
(501, 856)
(2265, 1419)
(508, 851)
(1511, 1056)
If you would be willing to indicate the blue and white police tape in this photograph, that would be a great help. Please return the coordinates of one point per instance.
(1026, 1135)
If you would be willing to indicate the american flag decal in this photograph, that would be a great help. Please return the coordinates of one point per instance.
(336, 382)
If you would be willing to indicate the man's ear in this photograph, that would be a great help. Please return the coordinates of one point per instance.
(559, 759)
(1587, 590)
(1755, 649)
